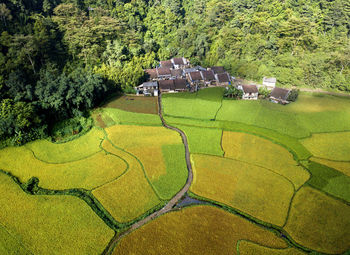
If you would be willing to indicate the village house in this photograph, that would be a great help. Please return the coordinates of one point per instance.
(217, 69)
(180, 63)
(223, 79)
(166, 86)
(148, 89)
(176, 73)
(194, 77)
(152, 74)
(166, 64)
(269, 83)
(208, 77)
(180, 85)
(250, 92)
(279, 95)
(163, 73)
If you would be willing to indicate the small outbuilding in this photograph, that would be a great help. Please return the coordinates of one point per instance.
(279, 95)
(250, 92)
(269, 83)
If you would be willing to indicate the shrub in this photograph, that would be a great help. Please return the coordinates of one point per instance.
(293, 95)
(263, 92)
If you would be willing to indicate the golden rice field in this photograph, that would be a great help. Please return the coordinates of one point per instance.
(248, 188)
(264, 153)
(250, 248)
(154, 147)
(343, 167)
(129, 196)
(49, 224)
(77, 149)
(87, 173)
(333, 146)
(195, 230)
(319, 222)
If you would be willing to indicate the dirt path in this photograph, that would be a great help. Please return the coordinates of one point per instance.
(169, 206)
(324, 92)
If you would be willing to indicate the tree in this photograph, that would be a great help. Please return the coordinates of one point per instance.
(5, 14)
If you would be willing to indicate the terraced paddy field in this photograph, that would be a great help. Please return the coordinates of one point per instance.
(196, 230)
(274, 180)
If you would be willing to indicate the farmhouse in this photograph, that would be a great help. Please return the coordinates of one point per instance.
(166, 86)
(180, 85)
(208, 77)
(217, 69)
(148, 88)
(180, 63)
(269, 83)
(250, 92)
(166, 64)
(163, 73)
(195, 77)
(223, 79)
(176, 73)
(279, 95)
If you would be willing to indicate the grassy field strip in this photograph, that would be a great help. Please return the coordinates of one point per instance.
(319, 222)
(203, 105)
(9, 243)
(332, 146)
(88, 173)
(246, 247)
(329, 180)
(131, 195)
(139, 104)
(203, 140)
(290, 143)
(51, 224)
(129, 118)
(264, 153)
(341, 166)
(77, 149)
(253, 190)
(196, 230)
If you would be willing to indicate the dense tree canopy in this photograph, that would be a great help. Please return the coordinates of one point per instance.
(59, 58)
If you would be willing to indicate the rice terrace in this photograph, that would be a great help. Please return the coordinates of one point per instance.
(207, 175)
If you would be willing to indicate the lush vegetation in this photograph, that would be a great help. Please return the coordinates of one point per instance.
(246, 248)
(196, 230)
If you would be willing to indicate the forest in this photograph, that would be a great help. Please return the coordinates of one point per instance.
(60, 58)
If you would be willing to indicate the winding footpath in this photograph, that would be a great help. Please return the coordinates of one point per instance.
(171, 204)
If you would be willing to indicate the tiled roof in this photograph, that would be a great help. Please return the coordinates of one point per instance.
(208, 75)
(166, 63)
(250, 89)
(223, 77)
(164, 71)
(280, 93)
(218, 69)
(195, 76)
(152, 73)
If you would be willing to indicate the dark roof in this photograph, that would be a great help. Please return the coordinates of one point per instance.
(150, 84)
(164, 71)
(180, 83)
(152, 73)
(166, 63)
(176, 72)
(250, 89)
(208, 75)
(218, 69)
(195, 76)
(178, 61)
(223, 77)
(280, 93)
(166, 85)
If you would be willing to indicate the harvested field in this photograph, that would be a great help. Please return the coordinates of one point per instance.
(195, 230)
(86, 173)
(343, 167)
(319, 222)
(250, 248)
(139, 104)
(113, 116)
(333, 146)
(78, 149)
(47, 224)
(201, 105)
(252, 190)
(203, 140)
(130, 195)
(264, 153)
(160, 151)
